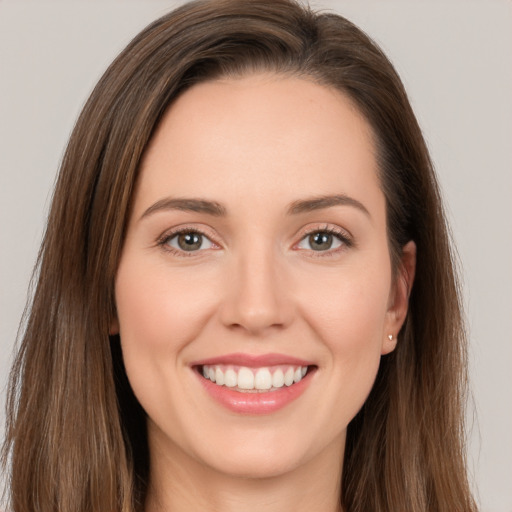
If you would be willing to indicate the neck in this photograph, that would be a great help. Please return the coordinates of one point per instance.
(180, 483)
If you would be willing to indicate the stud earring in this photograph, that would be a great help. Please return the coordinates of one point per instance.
(390, 337)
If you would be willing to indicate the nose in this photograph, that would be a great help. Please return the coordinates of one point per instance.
(256, 298)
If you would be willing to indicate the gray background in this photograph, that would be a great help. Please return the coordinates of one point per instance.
(455, 59)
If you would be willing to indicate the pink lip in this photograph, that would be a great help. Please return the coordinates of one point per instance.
(253, 361)
(258, 402)
(255, 403)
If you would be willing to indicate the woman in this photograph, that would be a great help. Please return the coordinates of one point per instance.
(246, 296)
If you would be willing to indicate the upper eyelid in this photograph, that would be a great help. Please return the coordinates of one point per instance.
(324, 227)
(172, 232)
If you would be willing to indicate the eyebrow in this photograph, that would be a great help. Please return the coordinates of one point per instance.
(188, 205)
(320, 202)
(218, 210)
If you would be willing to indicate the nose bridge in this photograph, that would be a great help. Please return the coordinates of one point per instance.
(256, 298)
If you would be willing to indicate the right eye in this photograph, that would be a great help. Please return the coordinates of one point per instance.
(187, 241)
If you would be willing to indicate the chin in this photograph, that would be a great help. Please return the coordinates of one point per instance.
(260, 465)
(258, 453)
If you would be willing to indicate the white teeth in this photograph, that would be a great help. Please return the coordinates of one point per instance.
(245, 378)
(288, 376)
(278, 378)
(219, 377)
(230, 378)
(261, 379)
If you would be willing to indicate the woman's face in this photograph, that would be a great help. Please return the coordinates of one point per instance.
(256, 251)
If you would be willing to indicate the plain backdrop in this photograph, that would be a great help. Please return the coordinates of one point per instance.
(455, 58)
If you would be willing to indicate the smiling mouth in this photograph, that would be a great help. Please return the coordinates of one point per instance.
(254, 380)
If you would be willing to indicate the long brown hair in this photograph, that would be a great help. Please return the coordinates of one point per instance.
(76, 436)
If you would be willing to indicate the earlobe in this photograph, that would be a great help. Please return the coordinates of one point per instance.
(399, 299)
(389, 344)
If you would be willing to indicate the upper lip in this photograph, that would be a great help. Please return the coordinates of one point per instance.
(253, 361)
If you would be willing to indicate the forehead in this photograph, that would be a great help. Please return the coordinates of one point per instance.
(265, 136)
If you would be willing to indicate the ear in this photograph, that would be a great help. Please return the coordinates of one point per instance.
(399, 297)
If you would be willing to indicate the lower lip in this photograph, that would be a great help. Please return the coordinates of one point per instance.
(259, 402)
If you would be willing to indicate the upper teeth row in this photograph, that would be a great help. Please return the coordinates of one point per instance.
(254, 378)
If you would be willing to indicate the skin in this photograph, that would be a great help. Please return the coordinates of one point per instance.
(256, 144)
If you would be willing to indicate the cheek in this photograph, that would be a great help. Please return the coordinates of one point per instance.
(348, 303)
(346, 311)
(159, 312)
(153, 303)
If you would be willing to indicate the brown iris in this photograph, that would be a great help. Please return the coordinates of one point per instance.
(190, 241)
(320, 241)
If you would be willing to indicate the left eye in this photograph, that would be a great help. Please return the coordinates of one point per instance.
(320, 241)
(189, 241)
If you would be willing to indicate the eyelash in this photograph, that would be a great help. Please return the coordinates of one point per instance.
(164, 240)
(341, 235)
